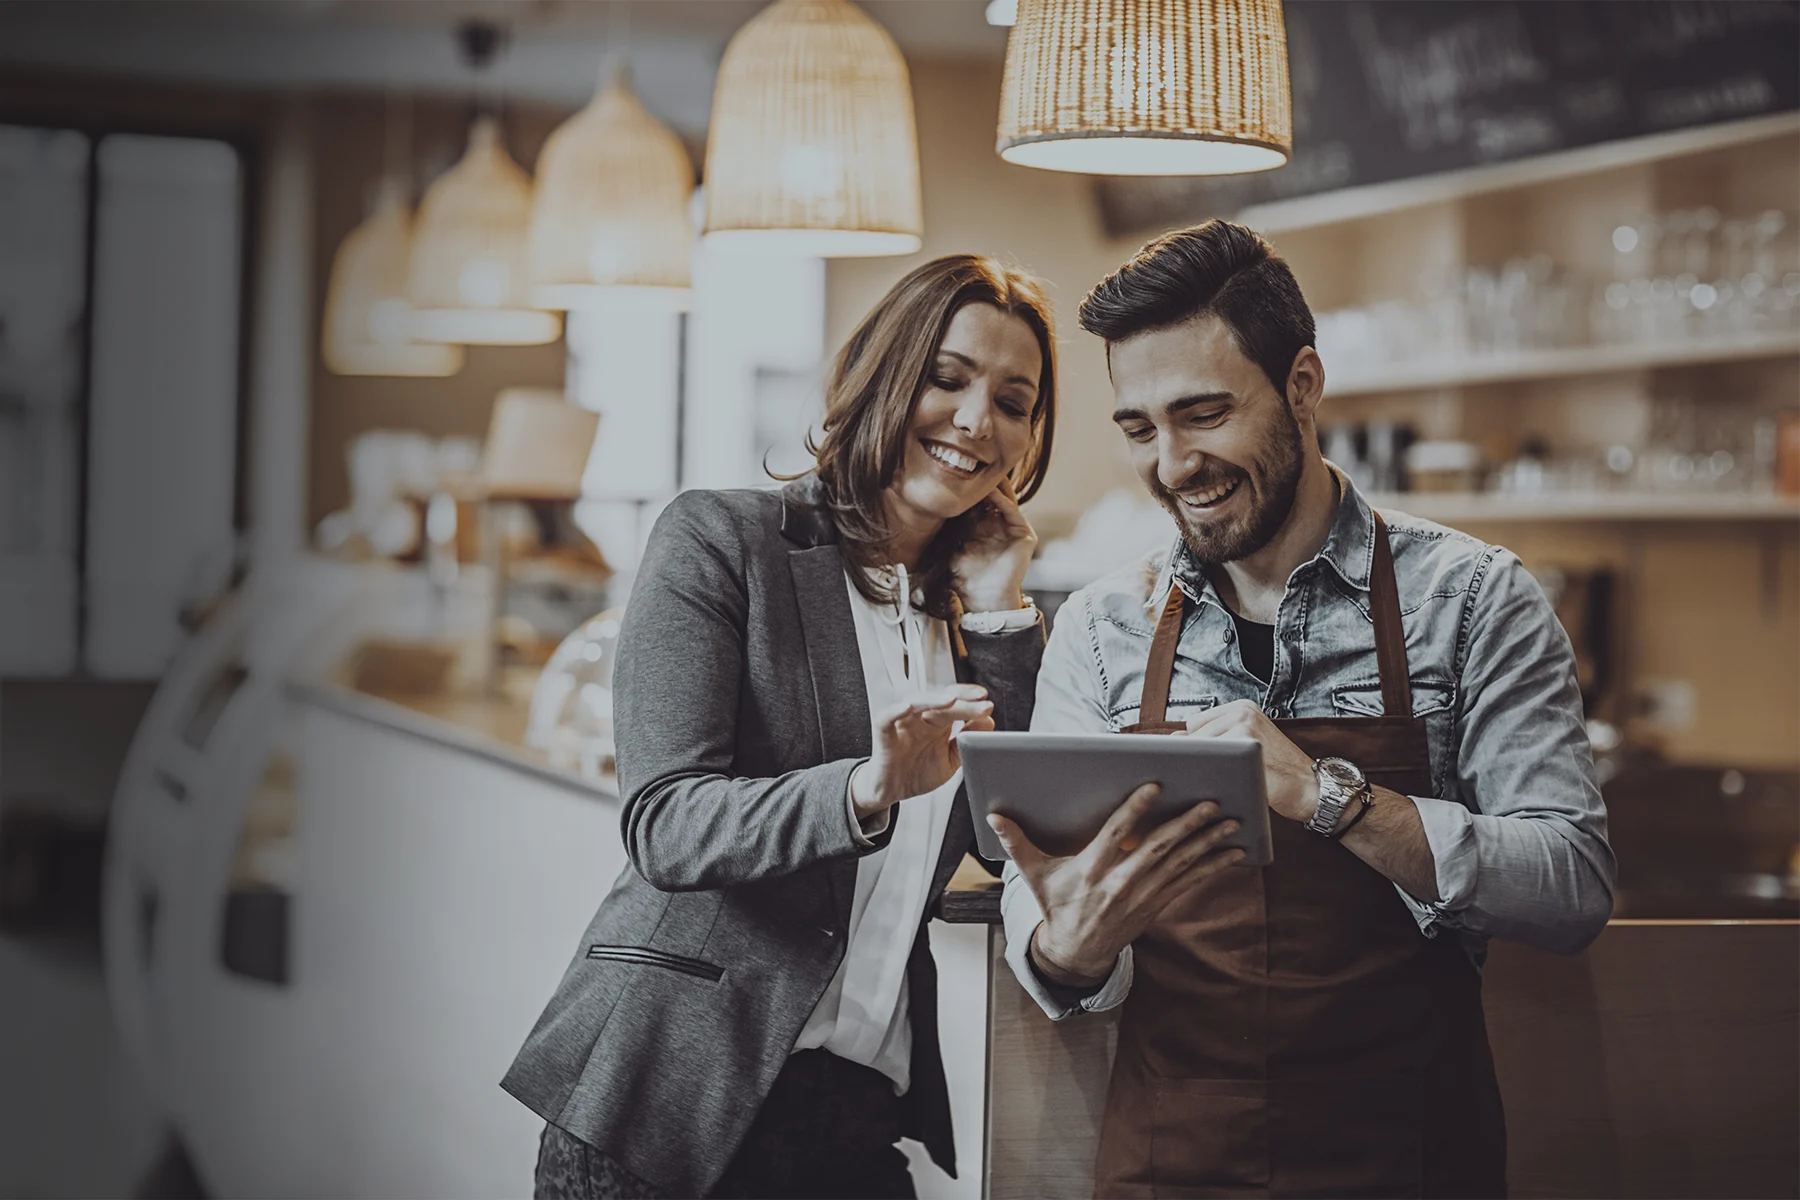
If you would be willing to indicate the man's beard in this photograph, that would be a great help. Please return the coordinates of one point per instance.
(1273, 482)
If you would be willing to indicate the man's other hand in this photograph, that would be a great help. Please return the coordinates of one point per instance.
(1097, 902)
(1287, 769)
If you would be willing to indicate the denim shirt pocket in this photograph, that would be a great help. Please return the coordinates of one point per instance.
(1433, 701)
(1181, 708)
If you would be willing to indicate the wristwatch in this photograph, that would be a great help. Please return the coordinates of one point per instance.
(1341, 785)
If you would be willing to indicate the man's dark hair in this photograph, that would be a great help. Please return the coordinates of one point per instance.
(1216, 267)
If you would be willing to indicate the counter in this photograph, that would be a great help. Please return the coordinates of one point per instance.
(443, 876)
(1659, 1062)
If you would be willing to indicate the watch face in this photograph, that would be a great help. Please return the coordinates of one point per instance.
(1342, 775)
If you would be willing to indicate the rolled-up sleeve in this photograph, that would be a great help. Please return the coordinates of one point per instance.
(1020, 914)
(1521, 851)
(1068, 701)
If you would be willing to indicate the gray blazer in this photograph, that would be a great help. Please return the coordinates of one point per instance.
(740, 712)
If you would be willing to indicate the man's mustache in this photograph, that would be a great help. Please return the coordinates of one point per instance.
(1208, 477)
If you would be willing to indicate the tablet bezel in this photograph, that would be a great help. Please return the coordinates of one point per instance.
(1077, 780)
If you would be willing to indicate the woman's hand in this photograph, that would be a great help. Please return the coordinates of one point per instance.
(915, 752)
(989, 571)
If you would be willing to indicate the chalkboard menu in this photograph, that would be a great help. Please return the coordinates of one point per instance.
(1389, 89)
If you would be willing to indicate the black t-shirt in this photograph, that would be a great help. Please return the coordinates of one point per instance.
(1256, 646)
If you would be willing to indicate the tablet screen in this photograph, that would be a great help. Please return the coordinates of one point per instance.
(1060, 788)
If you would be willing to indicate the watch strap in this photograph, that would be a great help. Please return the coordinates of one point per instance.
(1368, 802)
(1329, 807)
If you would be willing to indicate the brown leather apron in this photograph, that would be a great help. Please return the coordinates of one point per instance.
(1290, 1032)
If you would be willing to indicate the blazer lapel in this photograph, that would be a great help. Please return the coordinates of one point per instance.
(831, 655)
(959, 831)
(840, 696)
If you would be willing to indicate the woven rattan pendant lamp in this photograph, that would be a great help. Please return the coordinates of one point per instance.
(470, 281)
(1147, 87)
(610, 225)
(812, 148)
(368, 318)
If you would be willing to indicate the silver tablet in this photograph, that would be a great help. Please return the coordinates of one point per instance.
(1061, 787)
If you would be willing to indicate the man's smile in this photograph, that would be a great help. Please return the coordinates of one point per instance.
(1210, 498)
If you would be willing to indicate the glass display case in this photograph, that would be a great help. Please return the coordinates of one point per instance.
(572, 710)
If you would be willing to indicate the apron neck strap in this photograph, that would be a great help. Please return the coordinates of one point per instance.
(1390, 640)
(1390, 635)
(1160, 671)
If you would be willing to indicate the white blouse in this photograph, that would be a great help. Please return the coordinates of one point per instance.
(863, 1015)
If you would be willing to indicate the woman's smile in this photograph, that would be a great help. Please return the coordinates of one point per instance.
(958, 463)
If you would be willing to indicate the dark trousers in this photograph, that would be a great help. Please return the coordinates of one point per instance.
(827, 1129)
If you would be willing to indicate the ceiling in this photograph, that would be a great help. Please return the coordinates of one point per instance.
(920, 26)
(554, 50)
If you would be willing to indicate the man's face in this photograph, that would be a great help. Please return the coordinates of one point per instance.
(1209, 435)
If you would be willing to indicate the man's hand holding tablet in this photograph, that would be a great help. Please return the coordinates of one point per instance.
(1098, 901)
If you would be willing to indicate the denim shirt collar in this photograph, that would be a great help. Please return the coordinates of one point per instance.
(1350, 546)
(1349, 550)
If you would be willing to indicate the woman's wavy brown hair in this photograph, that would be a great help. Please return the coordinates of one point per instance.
(875, 384)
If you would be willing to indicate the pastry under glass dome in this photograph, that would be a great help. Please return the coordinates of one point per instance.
(571, 716)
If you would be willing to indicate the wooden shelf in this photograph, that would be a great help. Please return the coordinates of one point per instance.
(1552, 364)
(1380, 199)
(1451, 508)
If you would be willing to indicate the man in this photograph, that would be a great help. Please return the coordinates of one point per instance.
(1313, 1027)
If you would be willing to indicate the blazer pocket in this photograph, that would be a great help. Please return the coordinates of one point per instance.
(644, 956)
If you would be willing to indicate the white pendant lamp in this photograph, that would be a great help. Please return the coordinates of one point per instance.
(610, 226)
(368, 318)
(812, 148)
(1147, 87)
(470, 282)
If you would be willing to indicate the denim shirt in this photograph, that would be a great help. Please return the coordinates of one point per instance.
(1516, 825)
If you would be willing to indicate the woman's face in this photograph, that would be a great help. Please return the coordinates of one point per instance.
(973, 421)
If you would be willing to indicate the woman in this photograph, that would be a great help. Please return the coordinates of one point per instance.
(753, 1009)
